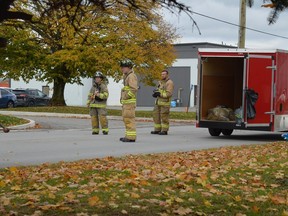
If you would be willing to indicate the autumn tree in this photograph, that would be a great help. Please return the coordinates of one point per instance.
(64, 45)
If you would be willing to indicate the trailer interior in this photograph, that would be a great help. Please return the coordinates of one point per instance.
(222, 83)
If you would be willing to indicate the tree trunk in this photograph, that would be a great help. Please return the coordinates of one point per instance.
(58, 92)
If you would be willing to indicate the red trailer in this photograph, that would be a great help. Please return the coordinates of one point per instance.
(224, 78)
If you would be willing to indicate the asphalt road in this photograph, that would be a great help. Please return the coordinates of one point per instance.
(70, 139)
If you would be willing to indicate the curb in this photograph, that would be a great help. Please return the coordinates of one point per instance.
(31, 124)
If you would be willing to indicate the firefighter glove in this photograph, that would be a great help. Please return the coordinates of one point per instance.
(98, 98)
(156, 94)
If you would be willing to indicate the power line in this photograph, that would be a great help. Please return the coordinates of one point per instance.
(229, 23)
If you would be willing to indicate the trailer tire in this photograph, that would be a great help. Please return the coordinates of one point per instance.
(214, 131)
(227, 132)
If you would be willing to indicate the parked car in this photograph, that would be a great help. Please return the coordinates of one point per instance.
(31, 97)
(8, 89)
(7, 99)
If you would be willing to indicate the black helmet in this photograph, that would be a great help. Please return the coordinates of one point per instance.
(98, 74)
(126, 63)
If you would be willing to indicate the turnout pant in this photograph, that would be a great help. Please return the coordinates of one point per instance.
(161, 118)
(128, 114)
(99, 114)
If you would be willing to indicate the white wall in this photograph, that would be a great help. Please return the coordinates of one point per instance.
(193, 64)
(76, 95)
(114, 92)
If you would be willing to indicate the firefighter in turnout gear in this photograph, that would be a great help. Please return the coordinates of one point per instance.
(161, 112)
(128, 100)
(97, 101)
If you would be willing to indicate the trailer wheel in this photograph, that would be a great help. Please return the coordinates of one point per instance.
(227, 132)
(214, 131)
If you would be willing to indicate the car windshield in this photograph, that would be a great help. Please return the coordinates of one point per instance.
(18, 91)
(7, 89)
(4, 92)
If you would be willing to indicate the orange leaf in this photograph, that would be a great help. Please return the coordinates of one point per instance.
(255, 209)
(278, 200)
(93, 200)
(134, 195)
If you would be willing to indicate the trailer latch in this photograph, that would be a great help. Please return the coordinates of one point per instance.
(271, 67)
(270, 113)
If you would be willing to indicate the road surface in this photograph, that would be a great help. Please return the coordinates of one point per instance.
(70, 139)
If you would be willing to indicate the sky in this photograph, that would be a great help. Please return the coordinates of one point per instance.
(221, 33)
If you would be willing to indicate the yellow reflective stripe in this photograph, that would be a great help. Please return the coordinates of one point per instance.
(128, 101)
(130, 133)
(126, 88)
(131, 94)
(95, 130)
(163, 93)
(98, 105)
(165, 125)
(105, 129)
(161, 103)
(103, 95)
(157, 126)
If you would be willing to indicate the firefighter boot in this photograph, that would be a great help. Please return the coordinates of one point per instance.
(163, 133)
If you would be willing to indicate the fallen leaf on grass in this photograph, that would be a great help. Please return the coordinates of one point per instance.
(134, 195)
(16, 188)
(207, 203)
(237, 198)
(49, 206)
(92, 201)
(278, 200)
(179, 200)
(182, 211)
(37, 213)
(5, 201)
(124, 212)
(82, 214)
(255, 209)
(2, 184)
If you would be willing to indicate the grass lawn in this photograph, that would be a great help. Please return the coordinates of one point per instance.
(238, 181)
(11, 120)
(111, 112)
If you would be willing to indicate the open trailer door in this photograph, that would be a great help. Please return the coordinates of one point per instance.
(260, 78)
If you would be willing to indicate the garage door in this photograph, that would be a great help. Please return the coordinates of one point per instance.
(181, 79)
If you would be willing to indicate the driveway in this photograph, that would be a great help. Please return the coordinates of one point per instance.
(70, 139)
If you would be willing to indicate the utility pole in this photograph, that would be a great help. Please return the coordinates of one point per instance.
(242, 24)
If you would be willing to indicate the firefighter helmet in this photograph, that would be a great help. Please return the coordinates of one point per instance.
(99, 74)
(126, 63)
